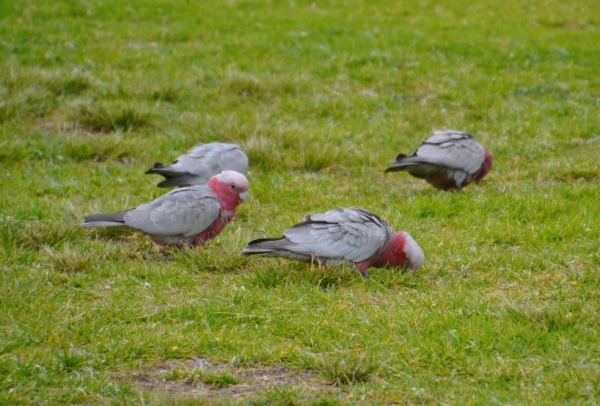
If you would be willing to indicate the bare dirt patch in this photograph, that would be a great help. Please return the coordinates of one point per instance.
(250, 380)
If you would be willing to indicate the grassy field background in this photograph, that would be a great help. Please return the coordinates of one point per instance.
(321, 95)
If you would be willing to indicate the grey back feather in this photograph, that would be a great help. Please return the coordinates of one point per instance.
(351, 234)
(187, 211)
(446, 148)
(202, 162)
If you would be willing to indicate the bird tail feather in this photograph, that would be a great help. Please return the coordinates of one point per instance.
(182, 181)
(168, 171)
(264, 246)
(403, 162)
(104, 220)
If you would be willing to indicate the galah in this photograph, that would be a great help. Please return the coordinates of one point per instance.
(201, 163)
(185, 216)
(448, 160)
(351, 235)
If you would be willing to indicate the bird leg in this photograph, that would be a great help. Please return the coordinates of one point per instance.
(362, 268)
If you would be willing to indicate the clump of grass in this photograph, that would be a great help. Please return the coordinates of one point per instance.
(325, 276)
(326, 402)
(317, 156)
(574, 175)
(107, 117)
(248, 86)
(544, 90)
(73, 83)
(264, 152)
(23, 93)
(220, 380)
(39, 235)
(166, 93)
(273, 145)
(123, 234)
(293, 149)
(9, 109)
(10, 233)
(35, 235)
(347, 370)
(70, 261)
(271, 275)
(266, 143)
(243, 85)
(16, 150)
(33, 101)
(392, 278)
(197, 376)
(69, 360)
(99, 149)
(550, 318)
(268, 277)
(209, 259)
(278, 396)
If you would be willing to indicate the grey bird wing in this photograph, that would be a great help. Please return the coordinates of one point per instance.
(202, 162)
(350, 234)
(187, 211)
(214, 158)
(451, 149)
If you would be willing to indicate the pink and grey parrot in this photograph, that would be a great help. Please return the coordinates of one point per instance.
(201, 163)
(185, 216)
(352, 235)
(449, 160)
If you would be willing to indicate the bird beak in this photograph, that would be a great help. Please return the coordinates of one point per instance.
(244, 196)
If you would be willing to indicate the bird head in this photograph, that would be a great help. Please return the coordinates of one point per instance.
(486, 166)
(403, 252)
(230, 186)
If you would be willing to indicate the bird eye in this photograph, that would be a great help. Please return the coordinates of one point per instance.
(233, 187)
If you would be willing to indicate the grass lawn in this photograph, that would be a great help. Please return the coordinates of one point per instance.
(321, 95)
